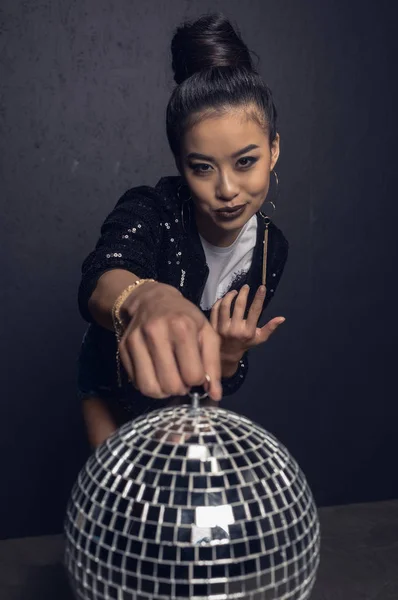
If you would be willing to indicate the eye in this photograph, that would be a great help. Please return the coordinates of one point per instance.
(200, 168)
(248, 161)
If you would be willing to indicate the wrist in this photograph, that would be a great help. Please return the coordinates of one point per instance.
(120, 314)
(229, 365)
(150, 290)
(142, 285)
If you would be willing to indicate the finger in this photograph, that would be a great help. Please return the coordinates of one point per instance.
(263, 333)
(214, 314)
(224, 313)
(126, 361)
(188, 352)
(256, 308)
(240, 304)
(160, 342)
(144, 370)
(210, 351)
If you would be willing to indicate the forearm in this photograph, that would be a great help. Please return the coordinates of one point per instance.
(120, 253)
(109, 287)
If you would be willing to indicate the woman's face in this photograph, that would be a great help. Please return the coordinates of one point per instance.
(226, 161)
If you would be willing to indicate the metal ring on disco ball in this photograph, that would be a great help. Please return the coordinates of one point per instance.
(196, 398)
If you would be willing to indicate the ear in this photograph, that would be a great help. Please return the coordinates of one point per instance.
(275, 149)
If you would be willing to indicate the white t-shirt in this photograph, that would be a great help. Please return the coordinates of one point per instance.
(226, 264)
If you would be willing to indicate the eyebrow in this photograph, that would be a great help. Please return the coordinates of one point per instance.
(234, 155)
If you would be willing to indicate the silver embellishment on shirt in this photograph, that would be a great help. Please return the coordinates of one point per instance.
(182, 277)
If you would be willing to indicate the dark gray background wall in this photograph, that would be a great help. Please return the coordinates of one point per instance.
(84, 87)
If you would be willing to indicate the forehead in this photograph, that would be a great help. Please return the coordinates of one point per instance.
(223, 134)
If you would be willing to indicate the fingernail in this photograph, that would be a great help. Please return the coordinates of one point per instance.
(262, 289)
(281, 320)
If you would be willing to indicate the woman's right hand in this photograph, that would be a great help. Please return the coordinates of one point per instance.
(168, 346)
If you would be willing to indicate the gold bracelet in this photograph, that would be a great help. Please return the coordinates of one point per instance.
(118, 323)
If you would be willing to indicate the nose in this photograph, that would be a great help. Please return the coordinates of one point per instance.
(227, 189)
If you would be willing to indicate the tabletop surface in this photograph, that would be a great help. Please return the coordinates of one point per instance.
(359, 558)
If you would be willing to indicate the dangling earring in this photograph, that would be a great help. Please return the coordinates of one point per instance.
(267, 219)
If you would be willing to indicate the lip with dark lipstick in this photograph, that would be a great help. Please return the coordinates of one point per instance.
(230, 211)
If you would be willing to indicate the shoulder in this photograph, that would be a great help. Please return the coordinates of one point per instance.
(165, 195)
(170, 185)
(279, 247)
(172, 191)
(278, 237)
(165, 191)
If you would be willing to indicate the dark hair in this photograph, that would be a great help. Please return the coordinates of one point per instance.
(214, 71)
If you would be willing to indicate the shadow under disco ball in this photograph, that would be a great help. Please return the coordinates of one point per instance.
(191, 502)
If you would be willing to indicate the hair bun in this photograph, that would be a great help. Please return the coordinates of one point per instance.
(211, 41)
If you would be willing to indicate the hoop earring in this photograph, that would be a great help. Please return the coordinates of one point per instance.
(184, 202)
(267, 216)
(267, 220)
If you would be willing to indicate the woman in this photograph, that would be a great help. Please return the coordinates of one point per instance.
(182, 272)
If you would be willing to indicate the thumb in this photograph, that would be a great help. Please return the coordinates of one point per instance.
(265, 332)
(211, 360)
(214, 314)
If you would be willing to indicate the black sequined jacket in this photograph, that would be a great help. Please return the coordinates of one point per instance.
(152, 233)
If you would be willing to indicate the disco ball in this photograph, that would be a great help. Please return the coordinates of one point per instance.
(191, 502)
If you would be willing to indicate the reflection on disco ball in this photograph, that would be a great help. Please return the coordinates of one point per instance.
(196, 503)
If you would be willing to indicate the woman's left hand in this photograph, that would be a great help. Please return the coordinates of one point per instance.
(238, 334)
